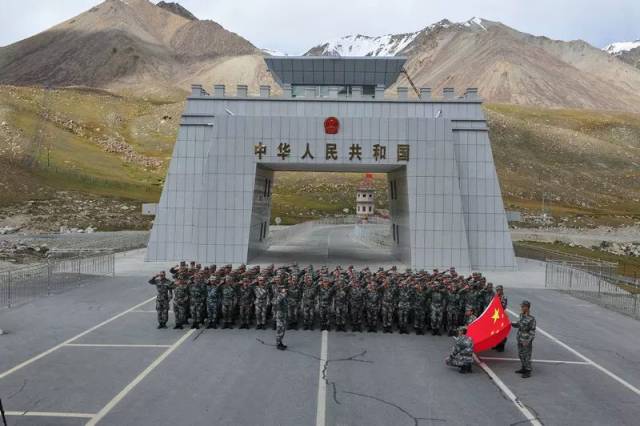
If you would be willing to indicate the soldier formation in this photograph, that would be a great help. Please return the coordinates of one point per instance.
(364, 299)
(287, 297)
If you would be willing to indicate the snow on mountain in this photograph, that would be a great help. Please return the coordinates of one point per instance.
(362, 45)
(385, 45)
(620, 47)
(274, 52)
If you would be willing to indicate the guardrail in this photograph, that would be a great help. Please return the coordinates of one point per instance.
(20, 285)
(588, 264)
(607, 291)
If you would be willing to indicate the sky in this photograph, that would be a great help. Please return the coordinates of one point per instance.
(294, 26)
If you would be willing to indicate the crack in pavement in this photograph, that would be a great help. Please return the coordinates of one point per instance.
(334, 386)
(416, 420)
(24, 383)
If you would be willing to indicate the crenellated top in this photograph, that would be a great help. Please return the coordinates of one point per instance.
(334, 93)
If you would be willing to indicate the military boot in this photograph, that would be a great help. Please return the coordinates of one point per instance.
(521, 370)
(526, 374)
(281, 346)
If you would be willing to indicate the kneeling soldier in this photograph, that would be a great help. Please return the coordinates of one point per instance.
(462, 352)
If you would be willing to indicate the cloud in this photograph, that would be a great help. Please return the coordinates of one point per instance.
(294, 26)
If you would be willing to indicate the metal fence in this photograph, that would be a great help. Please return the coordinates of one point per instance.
(530, 251)
(570, 277)
(20, 285)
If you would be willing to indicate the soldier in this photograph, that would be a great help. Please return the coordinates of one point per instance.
(294, 294)
(469, 316)
(308, 301)
(487, 296)
(213, 300)
(325, 297)
(462, 352)
(274, 285)
(373, 306)
(419, 303)
(282, 309)
(164, 287)
(453, 308)
(503, 301)
(261, 301)
(388, 305)
(405, 300)
(526, 326)
(341, 304)
(437, 309)
(246, 302)
(180, 302)
(228, 299)
(197, 298)
(356, 304)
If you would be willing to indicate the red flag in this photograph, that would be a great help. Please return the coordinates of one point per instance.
(490, 328)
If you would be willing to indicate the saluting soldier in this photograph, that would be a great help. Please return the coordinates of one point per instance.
(526, 326)
(308, 301)
(261, 300)
(356, 304)
(164, 286)
(388, 305)
(180, 302)
(282, 309)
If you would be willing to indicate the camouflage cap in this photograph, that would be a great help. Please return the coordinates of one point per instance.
(526, 303)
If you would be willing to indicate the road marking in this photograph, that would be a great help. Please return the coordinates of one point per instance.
(543, 361)
(66, 342)
(588, 360)
(523, 409)
(49, 414)
(321, 406)
(106, 345)
(116, 399)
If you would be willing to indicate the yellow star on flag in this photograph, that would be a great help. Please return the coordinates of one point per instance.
(496, 315)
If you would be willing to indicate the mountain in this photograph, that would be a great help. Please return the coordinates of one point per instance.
(131, 46)
(362, 45)
(177, 9)
(627, 51)
(508, 66)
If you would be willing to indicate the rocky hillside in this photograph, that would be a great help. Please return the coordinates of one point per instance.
(509, 66)
(131, 47)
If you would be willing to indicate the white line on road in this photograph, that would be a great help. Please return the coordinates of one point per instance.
(543, 361)
(524, 410)
(321, 406)
(107, 345)
(49, 414)
(588, 360)
(116, 399)
(66, 342)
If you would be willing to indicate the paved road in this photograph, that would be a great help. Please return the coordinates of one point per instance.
(93, 355)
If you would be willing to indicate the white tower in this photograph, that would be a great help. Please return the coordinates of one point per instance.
(365, 197)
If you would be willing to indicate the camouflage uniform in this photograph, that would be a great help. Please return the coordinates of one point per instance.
(405, 301)
(228, 300)
(437, 310)
(213, 301)
(308, 304)
(282, 308)
(181, 303)
(388, 306)
(246, 304)
(197, 297)
(325, 297)
(340, 305)
(260, 303)
(453, 310)
(294, 294)
(373, 307)
(356, 305)
(164, 287)
(419, 311)
(526, 326)
(462, 354)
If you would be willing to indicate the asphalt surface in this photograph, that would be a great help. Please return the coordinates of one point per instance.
(121, 370)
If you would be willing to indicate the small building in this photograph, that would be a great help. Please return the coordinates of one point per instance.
(365, 197)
